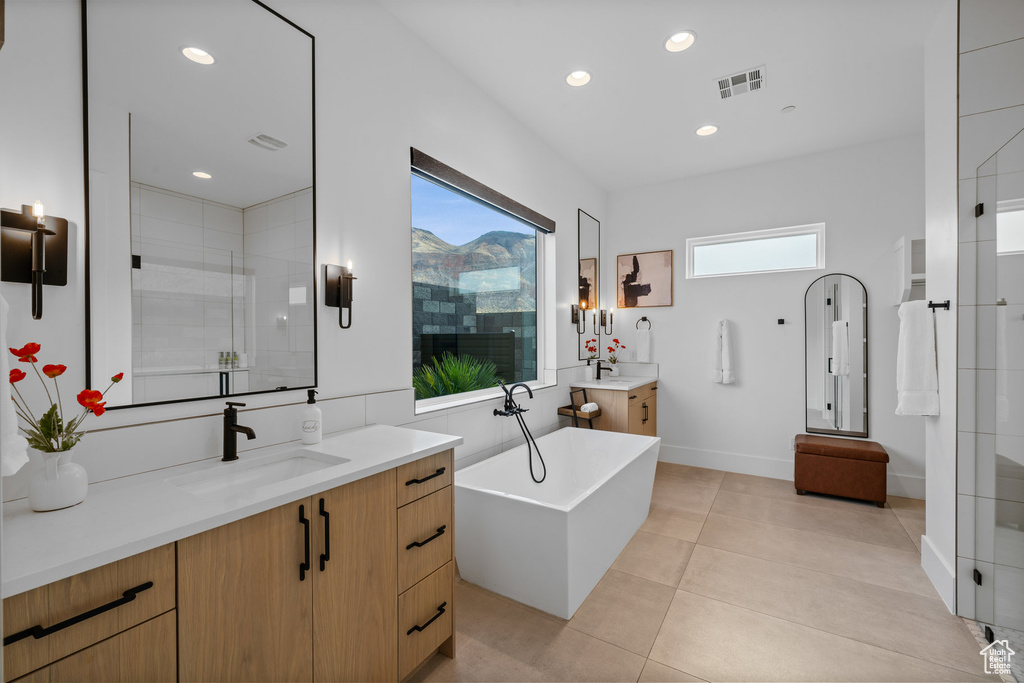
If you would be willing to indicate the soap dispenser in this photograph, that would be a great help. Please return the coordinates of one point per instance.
(311, 418)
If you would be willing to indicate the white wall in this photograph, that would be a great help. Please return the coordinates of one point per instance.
(938, 545)
(380, 90)
(991, 109)
(868, 197)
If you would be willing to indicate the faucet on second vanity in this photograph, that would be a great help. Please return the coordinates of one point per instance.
(231, 428)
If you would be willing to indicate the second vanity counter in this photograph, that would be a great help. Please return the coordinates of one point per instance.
(618, 383)
(128, 516)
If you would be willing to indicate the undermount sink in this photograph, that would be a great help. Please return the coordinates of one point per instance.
(243, 475)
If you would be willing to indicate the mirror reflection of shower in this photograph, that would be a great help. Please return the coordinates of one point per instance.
(836, 363)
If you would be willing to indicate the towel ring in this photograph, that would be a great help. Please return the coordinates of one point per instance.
(644, 320)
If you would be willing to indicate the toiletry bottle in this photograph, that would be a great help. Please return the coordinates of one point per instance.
(234, 359)
(310, 423)
(220, 362)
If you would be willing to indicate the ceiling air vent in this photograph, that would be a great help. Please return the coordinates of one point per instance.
(264, 141)
(743, 82)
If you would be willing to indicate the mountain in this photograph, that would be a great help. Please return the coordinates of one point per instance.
(437, 262)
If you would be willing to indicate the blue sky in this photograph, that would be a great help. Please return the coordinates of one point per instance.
(454, 218)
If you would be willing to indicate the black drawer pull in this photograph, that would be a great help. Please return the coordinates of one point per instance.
(439, 472)
(420, 544)
(325, 556)
(304, 566)
(440, 611)
(632, 397)
(38, 632)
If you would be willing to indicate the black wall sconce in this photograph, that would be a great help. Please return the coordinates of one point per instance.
(607, 321)
(338, 291)
(33, 250)
(579, 316)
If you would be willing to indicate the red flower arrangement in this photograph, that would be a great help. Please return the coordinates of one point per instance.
(50, 433)
(613, 351)
(591, 346)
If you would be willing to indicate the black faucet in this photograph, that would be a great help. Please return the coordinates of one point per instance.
(231, 428)
(511, 407)
(599, 368)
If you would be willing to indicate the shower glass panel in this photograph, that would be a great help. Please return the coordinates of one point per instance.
(998, 501)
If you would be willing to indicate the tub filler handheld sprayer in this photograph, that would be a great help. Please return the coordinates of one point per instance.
(512, 408)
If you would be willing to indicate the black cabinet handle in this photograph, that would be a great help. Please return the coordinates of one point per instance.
(304, 566)
(38, 632)
(632, 397)
(440, 611)
(645, 413)
(325, 556)
(439, 472)
(420, 544)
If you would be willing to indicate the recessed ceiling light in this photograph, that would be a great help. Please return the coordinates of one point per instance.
(788, 110)
(197, 55)
(202, 174)
(678, 42)
(707, 130)
(578, 78)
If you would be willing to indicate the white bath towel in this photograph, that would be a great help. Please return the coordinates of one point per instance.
(721, 372)
(588, 407)
(644, 342)
(13, 446)
(917, 379)
(840, 348)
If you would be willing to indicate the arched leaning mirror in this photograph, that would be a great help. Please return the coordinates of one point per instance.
(200, 195)
(836, 356)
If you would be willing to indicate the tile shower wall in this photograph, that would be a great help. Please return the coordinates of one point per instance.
(186, 301)
(278, 248)
(990, 439)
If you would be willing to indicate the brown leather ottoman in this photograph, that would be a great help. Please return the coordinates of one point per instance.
(840, 467)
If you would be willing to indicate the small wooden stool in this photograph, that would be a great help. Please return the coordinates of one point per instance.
(840, 467)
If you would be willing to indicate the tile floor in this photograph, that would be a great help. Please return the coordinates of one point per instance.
(734, 578)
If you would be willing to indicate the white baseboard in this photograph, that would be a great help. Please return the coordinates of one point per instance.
(904, 485)
(939, 573)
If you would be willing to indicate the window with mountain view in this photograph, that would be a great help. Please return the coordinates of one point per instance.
(474, 283)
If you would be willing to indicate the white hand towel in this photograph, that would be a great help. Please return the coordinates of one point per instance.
(840, 348)
(644, 340)
(917, 379)
(588, 407)
(13, 446)
(722, 373)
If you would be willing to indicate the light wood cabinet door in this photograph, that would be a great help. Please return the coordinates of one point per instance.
(144, 654)
(651, 425)
(355, 606)
(636, 418)
(243, 612)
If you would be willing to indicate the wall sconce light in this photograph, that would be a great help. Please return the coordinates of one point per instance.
(338, 291)
(579, 316)
(607, 321)
(26, 239)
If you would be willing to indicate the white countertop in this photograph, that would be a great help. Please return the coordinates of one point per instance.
(127, 516)
(620, 383)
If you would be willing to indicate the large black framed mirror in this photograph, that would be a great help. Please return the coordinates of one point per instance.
(200, 195)
(836, 356)
(589, 284)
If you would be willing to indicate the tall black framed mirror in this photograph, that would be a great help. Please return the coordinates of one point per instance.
(589, 284)
(200, 177)
(836, 356)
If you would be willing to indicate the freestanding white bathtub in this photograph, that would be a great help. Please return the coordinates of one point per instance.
(547, 545)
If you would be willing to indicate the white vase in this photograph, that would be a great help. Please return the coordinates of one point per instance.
(613, 369)
(60, 484)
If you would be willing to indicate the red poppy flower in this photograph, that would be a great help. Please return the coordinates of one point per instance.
(54, 370)
(117, 378)
(27, 353)
(17, 375)
(90, 400)
(612, 349)
(615, 340)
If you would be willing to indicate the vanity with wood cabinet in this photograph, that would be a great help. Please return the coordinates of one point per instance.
(628, 405)
(354, 583)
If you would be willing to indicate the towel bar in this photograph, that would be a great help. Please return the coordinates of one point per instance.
(944, 304)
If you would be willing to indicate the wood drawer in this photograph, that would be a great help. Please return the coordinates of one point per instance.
(419, 522)
(143, 654)
(426, 475)
(642, 393)
(57, 602)
(416, 607)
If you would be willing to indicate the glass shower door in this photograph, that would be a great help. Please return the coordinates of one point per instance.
(998, 501)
